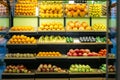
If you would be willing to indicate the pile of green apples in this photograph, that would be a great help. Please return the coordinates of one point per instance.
(103, 67)
(80, 68)
(55, 39)
(52, 38)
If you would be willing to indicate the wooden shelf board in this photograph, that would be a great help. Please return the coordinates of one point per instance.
(96, 71)
(4, 16)
(20, 79)
(51, 31)
(29, 58)
(111, 73)
(18, 74)
(52, 57)
(71, 43)
(20, 44)
(25, 16)
(85, 31)
(22, 31)
(83, 57)
(51, 72)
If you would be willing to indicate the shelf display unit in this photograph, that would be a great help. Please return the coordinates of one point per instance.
(60, 40)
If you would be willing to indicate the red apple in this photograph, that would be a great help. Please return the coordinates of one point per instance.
(81, 50)
(71, 51)
(80, 54)
(90, 54)
(74, 54)
(77, 50)
(69, 54)
(94, 54)
(85, 54)
(87, 51)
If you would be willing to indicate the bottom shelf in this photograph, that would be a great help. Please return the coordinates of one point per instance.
(87, 78)
(52, 79)
(92, 78)
(20, 79)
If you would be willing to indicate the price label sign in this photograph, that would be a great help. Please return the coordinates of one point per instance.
(71, 2)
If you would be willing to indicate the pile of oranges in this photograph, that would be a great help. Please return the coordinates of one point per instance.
(27, 1)
(49, 54)
(22, 39)
(25, 9)
(22, 28)
(51, 26)
(51, 9)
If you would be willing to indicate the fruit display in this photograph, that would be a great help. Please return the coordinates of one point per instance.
(51, 9)
(76, 25)
(4, 9)
(22, 39)
(16, 69)
(22, 9)
(95, 10)
(22, 28)
(99, 27)
(48, 39)
(76, 10)
(111, 55)
(100, 39)
(81, 52)
(87, 39)
(102, 52)
(49, 68)
(27, 1)
(3, 28)
(104, 10)
(50, 26)
(19, 55)
(111, 68)
(69, 40)
(80, 68)
(103, 67)
(40, 54)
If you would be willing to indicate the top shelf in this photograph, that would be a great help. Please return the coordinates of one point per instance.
(22, 16)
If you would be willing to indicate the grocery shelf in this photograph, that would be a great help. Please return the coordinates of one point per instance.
(100, 17)
(18, 74)
(4, 32)
(64, 43)
(51, 78)
(19, 58)
(57, 57)
(52, 57)
(95, 72)
(51, 31)
(85, 31)
(51, 17)
(20, 79)
(21, 44)
(4, 16)
(111, 73)
(51, 73)
(29, 32)
(25, 16)
(83, 57)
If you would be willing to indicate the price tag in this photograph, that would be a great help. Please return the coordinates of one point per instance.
(71, 2)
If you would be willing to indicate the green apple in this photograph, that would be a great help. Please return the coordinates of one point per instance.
(91, 70)
(71, 69)
(79, 70)
(72, 66)
(87, 70)
(82, 70)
